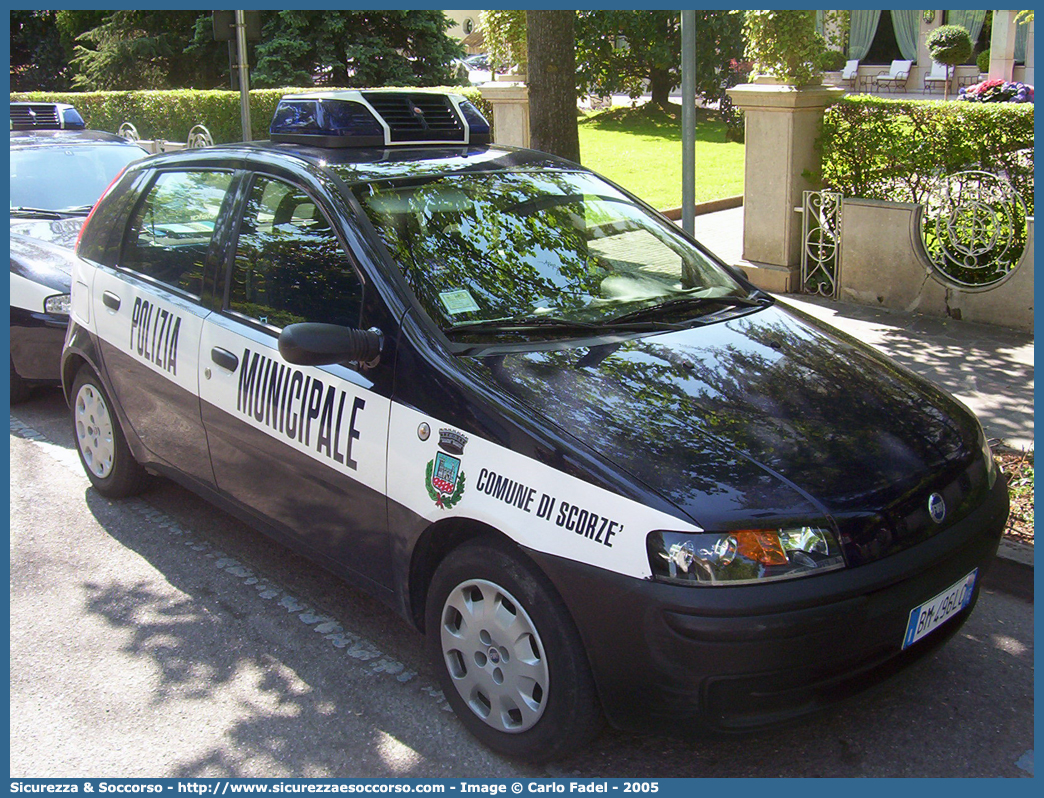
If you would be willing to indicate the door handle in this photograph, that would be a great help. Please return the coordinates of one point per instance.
(110, 300)
(224, 358)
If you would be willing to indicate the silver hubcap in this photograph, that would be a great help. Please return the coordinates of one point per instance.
(94, 431)
(494, 655)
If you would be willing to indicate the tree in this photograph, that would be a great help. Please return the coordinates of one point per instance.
(625, 51)
(633, 51)
(950, 45)
(176, 49)
(38, 60)
(355, 48)
(149, 50)
(551, 73)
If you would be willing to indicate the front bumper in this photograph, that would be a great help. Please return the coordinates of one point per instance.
(36, 345)
(740, 658)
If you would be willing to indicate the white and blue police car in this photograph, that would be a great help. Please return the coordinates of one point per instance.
(605, 475)
(58, 170)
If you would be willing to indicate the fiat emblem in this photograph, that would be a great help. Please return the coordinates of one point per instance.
(937, 507)
(494, 656)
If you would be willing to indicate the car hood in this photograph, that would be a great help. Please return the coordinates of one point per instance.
(42, 262)
(61, 232)
(766, 415)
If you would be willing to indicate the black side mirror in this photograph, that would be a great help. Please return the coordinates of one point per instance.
(737, 272)
(314, 344)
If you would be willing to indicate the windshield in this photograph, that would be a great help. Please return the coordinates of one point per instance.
(532, 246)
(59, 177)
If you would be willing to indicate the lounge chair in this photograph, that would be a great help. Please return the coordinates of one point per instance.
(850, 74)
(896, 76)
(936, 75)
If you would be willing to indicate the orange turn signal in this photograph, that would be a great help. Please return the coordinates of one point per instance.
(761, 546)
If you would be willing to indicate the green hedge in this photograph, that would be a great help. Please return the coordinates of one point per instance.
(894, 149)
(169, 115)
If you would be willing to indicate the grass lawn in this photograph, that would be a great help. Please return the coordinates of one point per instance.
(640, 148)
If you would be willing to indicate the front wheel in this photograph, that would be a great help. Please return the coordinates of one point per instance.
(104, 453)
(19, 387)
(509, 658)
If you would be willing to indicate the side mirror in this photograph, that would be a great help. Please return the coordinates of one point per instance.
(737, 272)
(314, 344)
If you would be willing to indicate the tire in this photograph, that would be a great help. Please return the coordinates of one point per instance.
(104, 453)
(509, 658)
(19, 388)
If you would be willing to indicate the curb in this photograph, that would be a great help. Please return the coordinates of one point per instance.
(1011, 572)
(711, 206)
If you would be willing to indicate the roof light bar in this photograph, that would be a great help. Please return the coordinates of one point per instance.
(378, 119)
(45, 116)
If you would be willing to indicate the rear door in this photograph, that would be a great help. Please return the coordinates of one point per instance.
(149, 315)
(303, 448)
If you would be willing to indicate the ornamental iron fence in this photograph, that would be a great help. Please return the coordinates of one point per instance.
(973, 227)
(821, 243)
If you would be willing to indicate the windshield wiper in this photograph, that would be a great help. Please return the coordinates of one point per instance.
(528, 324)
(50, 213)
(45, 213)
(691, 301)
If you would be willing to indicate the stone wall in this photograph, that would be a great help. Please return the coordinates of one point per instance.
(883, 264)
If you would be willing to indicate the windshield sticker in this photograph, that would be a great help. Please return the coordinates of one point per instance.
(457, 302)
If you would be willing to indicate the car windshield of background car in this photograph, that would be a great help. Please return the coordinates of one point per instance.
(516, 246)
(58, 178)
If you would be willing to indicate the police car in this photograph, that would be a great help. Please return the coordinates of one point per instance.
(600, 471)
(58, 170)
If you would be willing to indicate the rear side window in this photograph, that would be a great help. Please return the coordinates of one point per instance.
(290, 266)
(171, 230)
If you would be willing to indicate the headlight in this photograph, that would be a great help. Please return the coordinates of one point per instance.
(743, 556)
(57, 305)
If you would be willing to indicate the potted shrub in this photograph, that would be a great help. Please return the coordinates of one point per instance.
(831, 63)
(983, 63)
(950, 45)
(785, 45)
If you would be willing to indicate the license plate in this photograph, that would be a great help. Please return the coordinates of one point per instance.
(933, 613)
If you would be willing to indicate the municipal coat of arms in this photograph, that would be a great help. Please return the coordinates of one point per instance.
(443, 478)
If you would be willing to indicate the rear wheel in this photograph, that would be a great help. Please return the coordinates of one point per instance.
(510, 660)
(103, 449)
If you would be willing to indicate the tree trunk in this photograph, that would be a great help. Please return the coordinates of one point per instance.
(552, 83)
(660, 86)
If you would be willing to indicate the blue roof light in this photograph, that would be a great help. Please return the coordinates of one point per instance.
(71, 119)
(325, 122)
(378, 119)
(476, 121)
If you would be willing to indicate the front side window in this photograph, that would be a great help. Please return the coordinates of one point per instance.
(290, 266)
(171, 230)
(531, 246)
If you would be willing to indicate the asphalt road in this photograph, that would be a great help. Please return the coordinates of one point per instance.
(158, 636)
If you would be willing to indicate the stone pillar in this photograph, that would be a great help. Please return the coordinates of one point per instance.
(1002, 45)
(781, 126)
(510, 103)
(1028, 76)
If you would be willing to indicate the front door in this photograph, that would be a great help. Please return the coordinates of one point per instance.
(304, 448)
